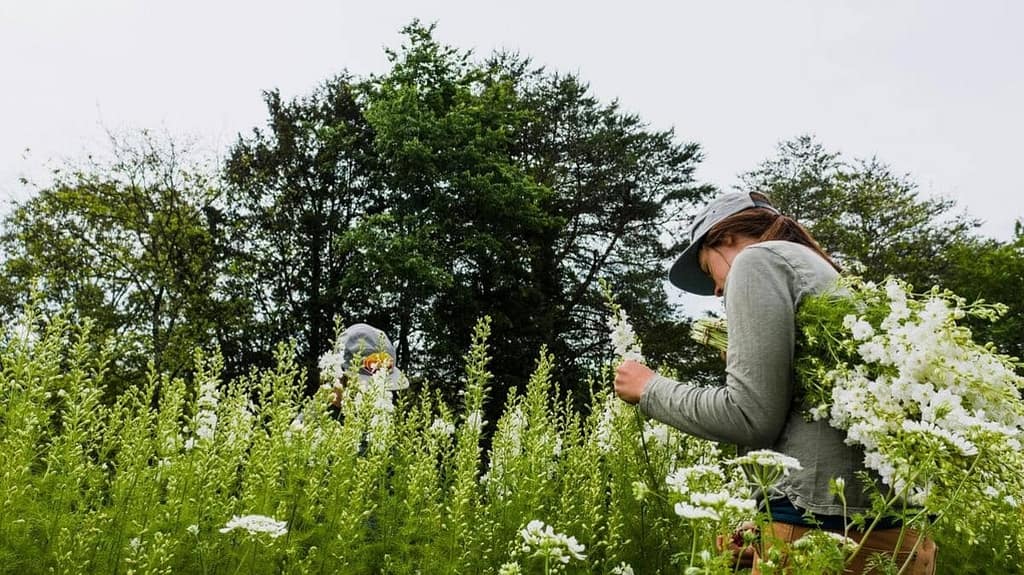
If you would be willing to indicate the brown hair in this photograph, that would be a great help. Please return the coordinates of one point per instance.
(763, 224)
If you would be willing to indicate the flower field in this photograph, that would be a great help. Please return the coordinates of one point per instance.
(246, 476)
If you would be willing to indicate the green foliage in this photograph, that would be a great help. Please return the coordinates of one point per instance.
(991, 271)
(149, 483)
(124, 242)
(862, 212)
(875, 222)
(295, 192)
(448, 189)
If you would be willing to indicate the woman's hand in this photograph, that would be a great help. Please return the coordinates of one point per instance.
(631, 378)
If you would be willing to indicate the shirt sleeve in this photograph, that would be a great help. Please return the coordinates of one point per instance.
(752, 407)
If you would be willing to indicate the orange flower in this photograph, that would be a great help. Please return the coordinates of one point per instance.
(379, 360)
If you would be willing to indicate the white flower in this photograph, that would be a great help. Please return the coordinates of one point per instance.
(475, 421)
(206, 416)
(768, 458)
(741, 505)
(332, 365)
(813, 536)
(874, 352)
(840, 484)
(254, 524)
(542, 541)
(819, 412)
(624, 339)
(681, 479)
(604, 431)
(442, 427)
(964, 446)
(510, 569)
(622, 569)
(862, 330)
(659, 433)
(23, 332)
(715, 499)
(687, 511)
(192, 530)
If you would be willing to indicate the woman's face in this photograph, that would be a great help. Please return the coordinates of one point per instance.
(715, 266)
(716, 261)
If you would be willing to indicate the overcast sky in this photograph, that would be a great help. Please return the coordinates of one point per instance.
(935, 89)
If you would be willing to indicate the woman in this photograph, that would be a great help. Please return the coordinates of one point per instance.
(763, 264)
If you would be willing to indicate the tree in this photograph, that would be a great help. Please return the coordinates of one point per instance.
(448, 189)
(127, 244)
(992, 271)
(295, 190)
(874, 220)
(455, 241)
(862, 213)
(618, 190)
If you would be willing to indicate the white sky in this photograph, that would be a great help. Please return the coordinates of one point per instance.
(934, 88)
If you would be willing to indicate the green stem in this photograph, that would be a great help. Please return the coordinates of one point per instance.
(245, 551)
(693, 543)
(768, 525)
(878, 518)
(643, 444)
(924, 532)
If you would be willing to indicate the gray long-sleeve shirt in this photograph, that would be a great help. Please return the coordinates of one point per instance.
(755, 407)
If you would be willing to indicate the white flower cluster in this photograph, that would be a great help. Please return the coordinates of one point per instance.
(623, 569)
(819, 537)
(768, 458)
(475, 421)
(206, 414)
(510, 569)
(604, 431)
(255, 524)
(442, 427)
(919, 379)
(703, 494)
(661, 434)
(372, 396)
(624, 339)
(540, 540)
(332, 364)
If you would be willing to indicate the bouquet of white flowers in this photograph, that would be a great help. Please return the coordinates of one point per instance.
(939, 415)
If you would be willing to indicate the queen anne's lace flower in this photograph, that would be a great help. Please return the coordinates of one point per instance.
(768, 458)
(255, 524)
(540, 540)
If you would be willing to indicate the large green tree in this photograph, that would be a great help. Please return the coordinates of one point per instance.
(862, 212)
(295, 189)
(619, 192)
(874, 221)
(530, 190)
(447, 189)
(444, 132)
(993, 271)
(125, 242)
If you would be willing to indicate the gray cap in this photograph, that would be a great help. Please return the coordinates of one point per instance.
(363, 342)
(686, 273)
